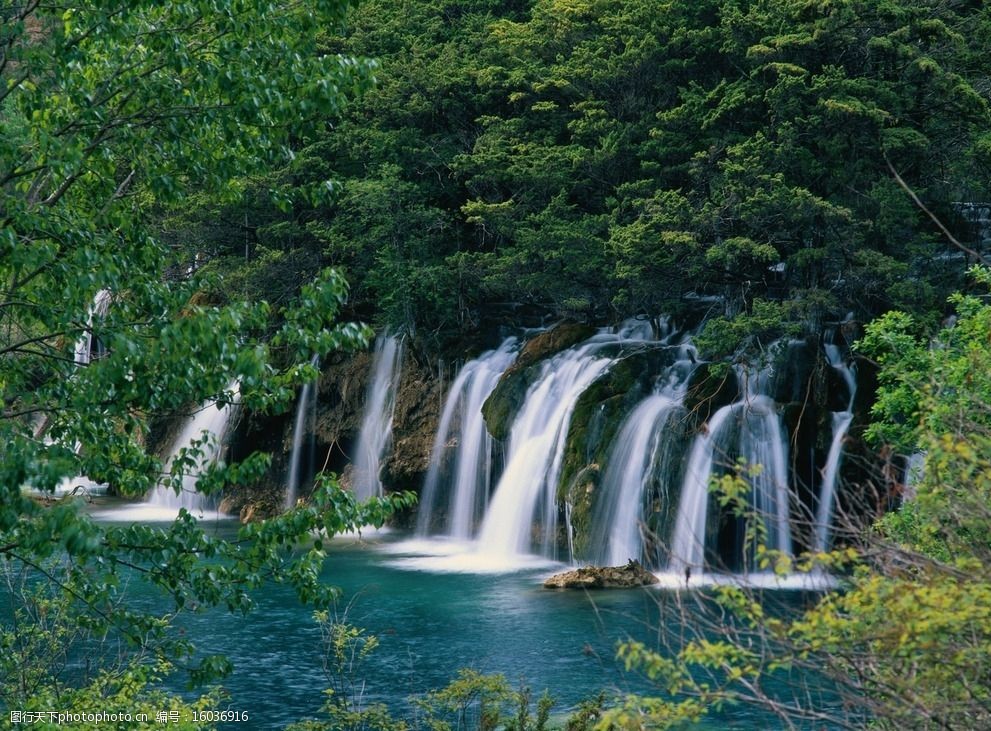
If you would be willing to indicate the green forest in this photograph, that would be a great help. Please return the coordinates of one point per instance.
(263, 187)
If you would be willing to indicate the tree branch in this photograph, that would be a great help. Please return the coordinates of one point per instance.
(953, 239)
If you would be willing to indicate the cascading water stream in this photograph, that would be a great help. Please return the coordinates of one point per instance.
(463, 426)
(831, 470)
(752, 429)
(688, 541)
(212, 423)
(376, 426)
(526, 492)
(617, 534)
(87, 343)
(763, 443)
(642, 451)
(303, 426)
(83, 351)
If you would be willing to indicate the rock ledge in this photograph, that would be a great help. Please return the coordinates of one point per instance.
(602, 577)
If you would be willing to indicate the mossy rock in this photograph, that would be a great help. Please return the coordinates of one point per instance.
(551, 342)
(710, 387)
(602, 406)
(506, 399)
(603, 577)
(581, 494)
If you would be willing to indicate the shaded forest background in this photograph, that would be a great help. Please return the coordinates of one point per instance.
(600, 159)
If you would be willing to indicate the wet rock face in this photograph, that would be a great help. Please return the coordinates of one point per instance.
(709, 389)
(414, 421)
(340, 407)
(551, 342)
(341, 395)
(603, 577)
(343, 389)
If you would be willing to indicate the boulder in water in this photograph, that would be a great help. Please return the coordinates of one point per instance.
(603, 577)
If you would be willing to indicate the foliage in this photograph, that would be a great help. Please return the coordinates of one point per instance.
(112, 113)
(41, 638)
(598, 159)
(934, 397)
(905, 642)
(748, 332)
(345, 650)
(471, 701)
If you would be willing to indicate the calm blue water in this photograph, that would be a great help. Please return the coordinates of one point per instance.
(431, 624)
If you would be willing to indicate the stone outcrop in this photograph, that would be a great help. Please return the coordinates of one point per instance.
(414, 422)
(603, 577)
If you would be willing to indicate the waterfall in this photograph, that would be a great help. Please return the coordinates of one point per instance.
(831, 470)
(86, 347)
(376, 426)
(751, 429)
(644, 451)
(83, 351)
(527, 490)
(303, 426)
(688, 542)
(915, 471)
(462, 432)
(208, 428)
(763, 443)
(616, 536)
(835, 358)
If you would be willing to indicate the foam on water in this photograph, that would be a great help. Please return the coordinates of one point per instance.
(442, 556)
(145, 512)
(813, 581)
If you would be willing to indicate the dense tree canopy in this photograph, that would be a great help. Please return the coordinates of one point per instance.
(608, 158)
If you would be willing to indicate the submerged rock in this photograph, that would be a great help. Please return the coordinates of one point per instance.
(603, 577)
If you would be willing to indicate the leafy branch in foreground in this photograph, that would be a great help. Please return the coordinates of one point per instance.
(906, 640)
(111, 114)
(473, 701)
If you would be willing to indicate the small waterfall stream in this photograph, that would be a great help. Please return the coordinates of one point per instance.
(617, 532)
(208, 429)
(462, 430)
(376, 426)
(688, 541)
(306, 411)
(831, 470)
(526, 495)
(87, 342)
(751, 430)
(86, 348)
(644, 450)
